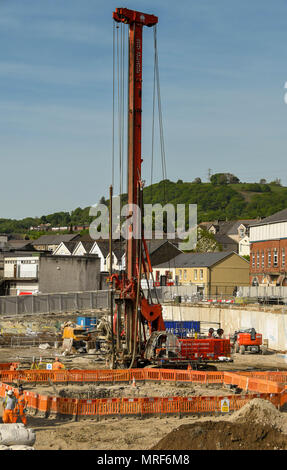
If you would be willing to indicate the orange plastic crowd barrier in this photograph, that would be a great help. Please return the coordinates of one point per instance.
(104, 407)
(126, 375)
(268, 385)
(247, 382)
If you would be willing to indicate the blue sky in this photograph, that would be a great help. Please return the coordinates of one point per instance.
(222, 73)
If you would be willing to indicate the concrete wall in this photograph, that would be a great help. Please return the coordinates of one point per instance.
(69, 273)
(272, 325)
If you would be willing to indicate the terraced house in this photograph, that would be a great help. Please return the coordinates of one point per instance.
(212, 273)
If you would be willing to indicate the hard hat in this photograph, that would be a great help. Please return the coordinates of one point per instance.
(10, 392)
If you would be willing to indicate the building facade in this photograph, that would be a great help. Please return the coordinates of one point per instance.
(268, 250)
(21, 274)
(214, 273)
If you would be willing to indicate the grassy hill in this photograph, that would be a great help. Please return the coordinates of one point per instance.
(230, 201)
(214, 201)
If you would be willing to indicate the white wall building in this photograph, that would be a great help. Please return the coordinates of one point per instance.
(21, 272)
(21, 267)
(244, 246)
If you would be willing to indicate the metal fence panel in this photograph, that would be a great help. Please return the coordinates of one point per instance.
(54, 303)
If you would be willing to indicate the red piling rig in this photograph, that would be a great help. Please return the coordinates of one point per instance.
(129, 296)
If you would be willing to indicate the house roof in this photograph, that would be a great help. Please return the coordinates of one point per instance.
(280, 216)
(227, 227)
(20, 244)
(70, 245)
(86, 238)
(87, 245)
(103, 246)
(189, 260)
(234, 228)
(224, 239)
(55, 239)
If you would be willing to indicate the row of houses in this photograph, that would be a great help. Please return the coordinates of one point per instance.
(63, 263)
(231, 235)
(66, 262)
(48, 227)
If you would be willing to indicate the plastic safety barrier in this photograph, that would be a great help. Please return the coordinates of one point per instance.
(268, 385)
(101, 375)
(105, 407)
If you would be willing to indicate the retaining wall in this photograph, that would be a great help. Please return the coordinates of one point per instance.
(272, 325)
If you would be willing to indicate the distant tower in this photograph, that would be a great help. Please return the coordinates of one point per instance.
(209, 174)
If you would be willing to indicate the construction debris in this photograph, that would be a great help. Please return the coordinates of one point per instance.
(44, 346)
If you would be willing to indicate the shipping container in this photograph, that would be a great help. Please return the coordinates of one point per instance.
(182, 329)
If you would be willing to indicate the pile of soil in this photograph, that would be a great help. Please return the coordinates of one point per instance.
(261, 412)
(223, 435)
(258, 425)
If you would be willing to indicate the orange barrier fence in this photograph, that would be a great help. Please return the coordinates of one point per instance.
(280, 377)
(125, 375)
(268, 385)
(105, 407)
(249, 383)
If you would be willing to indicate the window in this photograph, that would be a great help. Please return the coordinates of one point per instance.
(269, 258)
(262, 259)
(258, 259)
(201, 274)
(195, 274)
(185, 274)
(275, 257)
(253, 260)
(283, 257)
(180, 274)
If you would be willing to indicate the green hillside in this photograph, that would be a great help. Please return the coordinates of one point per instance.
(215, 201)
(222, 201)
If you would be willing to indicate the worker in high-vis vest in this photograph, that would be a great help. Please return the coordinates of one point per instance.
(57, 364)
(10, 408)
(22, 405)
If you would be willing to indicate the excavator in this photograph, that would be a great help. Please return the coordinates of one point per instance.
(139, 337)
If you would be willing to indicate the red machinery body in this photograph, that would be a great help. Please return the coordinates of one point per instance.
(246, 341)
(206, 349)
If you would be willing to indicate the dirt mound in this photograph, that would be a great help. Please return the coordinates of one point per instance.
(223, 435)
(261, 412)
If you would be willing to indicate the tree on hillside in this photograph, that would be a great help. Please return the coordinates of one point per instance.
(206, 242)
(224, 178)
(276, 182)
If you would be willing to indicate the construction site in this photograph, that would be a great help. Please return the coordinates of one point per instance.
(218, 405)
(125, 378)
